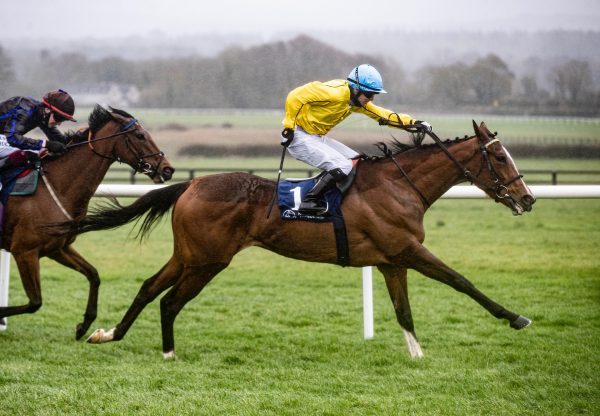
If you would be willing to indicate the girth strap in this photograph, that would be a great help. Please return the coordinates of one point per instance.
(341, 240)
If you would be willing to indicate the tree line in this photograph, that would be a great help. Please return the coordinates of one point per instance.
(261, 77)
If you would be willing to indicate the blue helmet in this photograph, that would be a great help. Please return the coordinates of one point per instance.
(366, 78)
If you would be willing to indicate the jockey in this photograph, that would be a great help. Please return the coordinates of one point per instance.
(19, 115)
(313, 109)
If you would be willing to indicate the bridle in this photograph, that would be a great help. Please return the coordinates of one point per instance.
(499, 188)
(142, 166)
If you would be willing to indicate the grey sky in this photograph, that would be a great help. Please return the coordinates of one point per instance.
(68, 19)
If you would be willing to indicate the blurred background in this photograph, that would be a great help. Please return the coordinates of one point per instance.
(216, 73)
(532, 57)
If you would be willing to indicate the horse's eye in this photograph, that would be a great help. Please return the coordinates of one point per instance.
(501, 158)
(140, 135)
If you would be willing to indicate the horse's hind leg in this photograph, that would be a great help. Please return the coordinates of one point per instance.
(193, 280)
(29, 270)
(150, 289)
(423, 261)
(396, 282)
(70, 258)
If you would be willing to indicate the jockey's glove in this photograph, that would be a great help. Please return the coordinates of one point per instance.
(55, 147)
(287, 136)
(423, 126)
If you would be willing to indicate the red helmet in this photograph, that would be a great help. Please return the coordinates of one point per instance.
(61, 104)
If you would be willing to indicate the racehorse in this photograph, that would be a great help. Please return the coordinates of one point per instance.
(214, 217)
(69, 183)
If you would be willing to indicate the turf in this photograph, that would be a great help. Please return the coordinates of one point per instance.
(273, 336)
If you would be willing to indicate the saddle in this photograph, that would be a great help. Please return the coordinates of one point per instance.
(20, 181)
(290, 193)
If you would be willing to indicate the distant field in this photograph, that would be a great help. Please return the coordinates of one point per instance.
(175, 130)
(445, 125)
(267, 167)
(509, 127)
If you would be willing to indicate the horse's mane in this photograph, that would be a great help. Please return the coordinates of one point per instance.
(121, 112)
(396, 147)
(100, 116)
(96, 120)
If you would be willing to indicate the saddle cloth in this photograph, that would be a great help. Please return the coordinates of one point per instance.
(19, 181)
(291, 192)
(289, 195)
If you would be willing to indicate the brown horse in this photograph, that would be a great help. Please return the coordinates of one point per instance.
(214, 217)
(69, 183)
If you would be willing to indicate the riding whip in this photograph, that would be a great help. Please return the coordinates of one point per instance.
(277, 183)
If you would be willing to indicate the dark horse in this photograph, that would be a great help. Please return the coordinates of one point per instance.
(69, 184)
(214, 217)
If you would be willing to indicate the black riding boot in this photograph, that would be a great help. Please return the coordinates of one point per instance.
(313, 203)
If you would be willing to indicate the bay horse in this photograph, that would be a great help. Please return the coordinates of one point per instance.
(216, 216)
(69, 182)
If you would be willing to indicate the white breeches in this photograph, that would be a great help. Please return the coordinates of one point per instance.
(321, 151)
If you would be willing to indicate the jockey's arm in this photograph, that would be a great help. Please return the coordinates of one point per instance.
(52, 133)
(16, 138)
(293, 104)
(384, 116)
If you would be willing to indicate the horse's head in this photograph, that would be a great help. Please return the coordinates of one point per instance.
(117, 135)
(499, 176)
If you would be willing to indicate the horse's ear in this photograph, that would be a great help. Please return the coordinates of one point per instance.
(477, 130)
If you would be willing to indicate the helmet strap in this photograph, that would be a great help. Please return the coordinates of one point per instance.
(354, 94)
(47, 113)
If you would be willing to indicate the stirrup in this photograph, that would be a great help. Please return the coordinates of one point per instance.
(313, 208)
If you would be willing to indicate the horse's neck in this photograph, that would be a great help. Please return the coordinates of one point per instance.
(439, 173)
(75, 177)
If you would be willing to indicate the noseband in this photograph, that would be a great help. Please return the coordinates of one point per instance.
(500, 188)
(142, 166)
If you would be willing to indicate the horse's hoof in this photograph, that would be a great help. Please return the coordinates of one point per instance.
(520, 323)
(169, 355)
(79, 332)
(100, 336)
(96, 337)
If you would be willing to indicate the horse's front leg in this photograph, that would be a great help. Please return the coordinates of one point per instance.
(150, 289)
(396, 281)
(423, 261)
(70, 258)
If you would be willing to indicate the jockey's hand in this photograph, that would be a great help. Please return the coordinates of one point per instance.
(287, 136)
(82, 133)
(423, 126)
(56, 148)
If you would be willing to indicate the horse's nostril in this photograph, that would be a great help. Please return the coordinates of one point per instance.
(529, 200)
(167, 173)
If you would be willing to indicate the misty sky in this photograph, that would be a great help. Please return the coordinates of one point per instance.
(67, 19)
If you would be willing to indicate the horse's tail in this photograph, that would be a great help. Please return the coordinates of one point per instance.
(154, 205)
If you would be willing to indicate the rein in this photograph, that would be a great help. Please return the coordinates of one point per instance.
(499, 190)
(500, 187)
(142, 167)
(411, 183)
